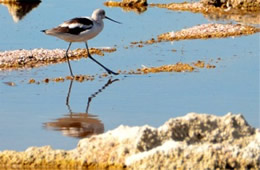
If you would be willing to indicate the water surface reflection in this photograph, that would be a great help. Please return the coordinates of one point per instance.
(18, 10)
(81, 124)
(249, 17)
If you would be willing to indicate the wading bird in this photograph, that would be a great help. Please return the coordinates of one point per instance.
(81, 29)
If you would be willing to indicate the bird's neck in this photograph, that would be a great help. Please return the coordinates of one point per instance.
(99, 21)
(96, 17)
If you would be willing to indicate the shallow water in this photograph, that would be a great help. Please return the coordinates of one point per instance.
(233, 86)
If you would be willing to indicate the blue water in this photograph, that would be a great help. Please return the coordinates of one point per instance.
(134, 100)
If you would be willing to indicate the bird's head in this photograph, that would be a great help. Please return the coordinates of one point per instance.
(100, 14)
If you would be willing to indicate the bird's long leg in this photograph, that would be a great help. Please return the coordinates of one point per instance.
(68, 60)
(108, 70)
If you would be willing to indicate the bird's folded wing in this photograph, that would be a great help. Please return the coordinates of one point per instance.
(74, 26)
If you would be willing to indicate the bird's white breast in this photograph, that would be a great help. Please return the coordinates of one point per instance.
(91, 33)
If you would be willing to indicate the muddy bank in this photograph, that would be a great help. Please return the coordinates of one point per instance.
(197, 141)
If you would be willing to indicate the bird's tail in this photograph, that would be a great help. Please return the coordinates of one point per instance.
(43, 31)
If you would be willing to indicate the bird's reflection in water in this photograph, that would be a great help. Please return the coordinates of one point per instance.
(79, 125)
(18, 9)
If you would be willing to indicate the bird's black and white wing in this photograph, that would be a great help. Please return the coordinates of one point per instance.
(74, 26)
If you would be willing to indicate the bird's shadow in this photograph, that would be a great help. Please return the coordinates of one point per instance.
(79, 124)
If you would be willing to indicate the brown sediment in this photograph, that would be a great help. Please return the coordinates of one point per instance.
(246, 5)
(199, 64)
(240, 12)
(81, 78)
(137, 6)
(78, 78)
(31, 81)
(203, 7)
(19, 59)
(204, 31)
(128, 3)
(10, 83)
(209, 66)
(178, 67)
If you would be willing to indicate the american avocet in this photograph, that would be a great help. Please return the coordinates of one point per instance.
(81, 29)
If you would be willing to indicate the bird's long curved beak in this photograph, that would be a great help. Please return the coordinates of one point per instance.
(112, 20)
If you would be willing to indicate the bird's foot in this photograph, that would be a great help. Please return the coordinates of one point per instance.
(111, 72)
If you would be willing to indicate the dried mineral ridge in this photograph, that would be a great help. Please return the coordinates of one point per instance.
(194, 141)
